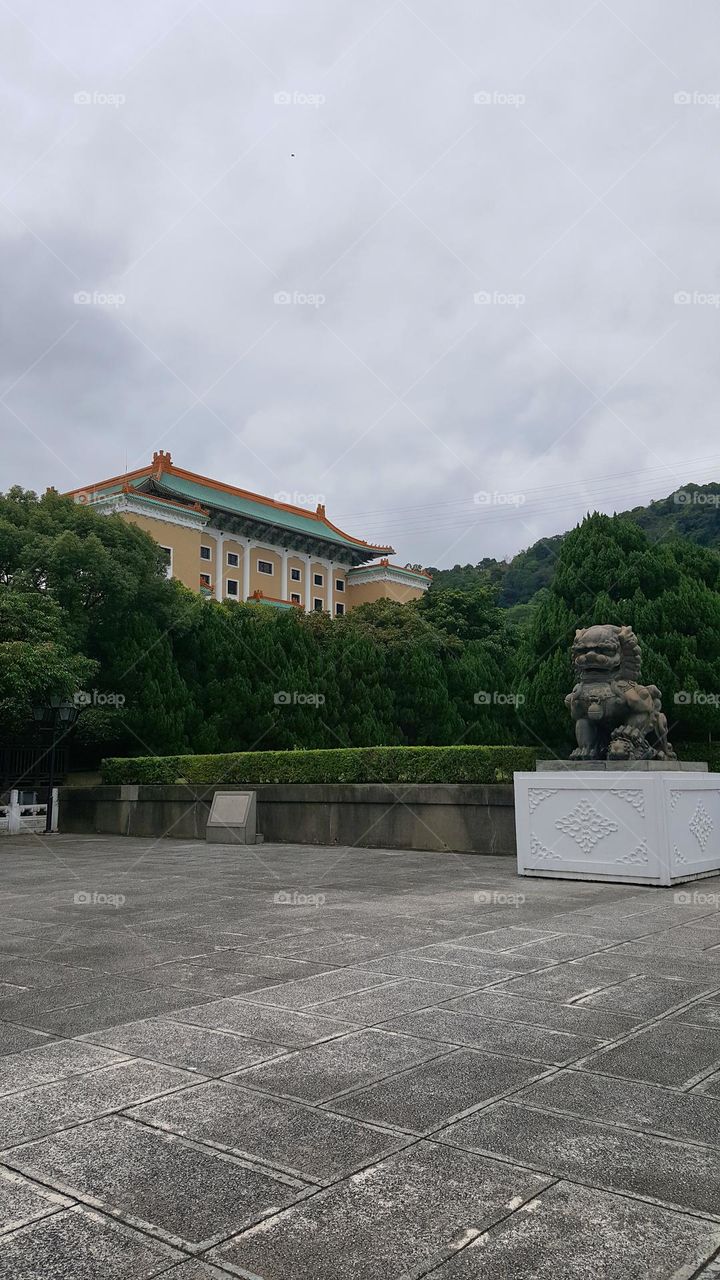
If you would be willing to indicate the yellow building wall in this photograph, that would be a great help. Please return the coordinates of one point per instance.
(296, 588)
(187, 567)
(366, 592)
(185, 544)
(269, 584)
(233, 571)
(342, 596)
(318, 593)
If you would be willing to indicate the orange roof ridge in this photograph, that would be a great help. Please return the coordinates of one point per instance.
(318, 515)
(260, 595)
(162, 464)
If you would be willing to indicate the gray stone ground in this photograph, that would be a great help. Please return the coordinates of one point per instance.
(414, 1073)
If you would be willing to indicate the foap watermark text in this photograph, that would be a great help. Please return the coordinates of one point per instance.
(285, 899)
(296, 698)
(495, 898)
(87, 899)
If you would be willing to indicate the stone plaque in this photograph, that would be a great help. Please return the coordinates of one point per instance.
(233, 818)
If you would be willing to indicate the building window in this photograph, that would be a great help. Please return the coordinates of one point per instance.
(295, 575)
(233, 559)
(318, 579)
(295, 598)
(168, 563)
(318, 605)
(265, 566)
(204, 579)
(339, 584)
(339, 609)
(205, 553)
(231, 587)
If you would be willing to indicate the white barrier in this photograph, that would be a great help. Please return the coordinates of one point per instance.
(21, 819)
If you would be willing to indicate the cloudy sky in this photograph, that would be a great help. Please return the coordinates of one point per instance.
(451, 269)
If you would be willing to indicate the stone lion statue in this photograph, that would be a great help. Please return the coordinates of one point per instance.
(616, 718)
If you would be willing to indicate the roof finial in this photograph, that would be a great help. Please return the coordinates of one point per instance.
(162, 459)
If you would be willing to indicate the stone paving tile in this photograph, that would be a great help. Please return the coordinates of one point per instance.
(615, 1159)
(300, 1140)
(395, 1219)
(574, 1018)
(13, 1038)
(22, 1202)
(647, 996)
(534, 1043)
(705, 1014)
(178, 1044)
(109, 1012)
(568, 1232)
(258, 965)
(630, 1103)
(322, 1071)
(28, 1115)
(504, 939)
(564, 947)
(81, 1245)
(51, 1062)
(195, 1271)
(196, 976)
(429, 1095)
(567, 982)
(318, 989)
(666, 963)
(710, 1086)
(670, 1053)
(405, 965)
(486, 961)
(145, 1176)
(367, 1008)
(132, 955)
(73, 987)
(282, 1027)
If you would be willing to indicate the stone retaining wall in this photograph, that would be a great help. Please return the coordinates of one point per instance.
(433, 816)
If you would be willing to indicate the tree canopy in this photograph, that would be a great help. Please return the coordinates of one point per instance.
(85, 604)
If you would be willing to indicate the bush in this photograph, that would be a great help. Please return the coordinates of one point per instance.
(708, 751)
(352, 764)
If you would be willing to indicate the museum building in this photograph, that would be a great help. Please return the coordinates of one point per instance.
(231, 544)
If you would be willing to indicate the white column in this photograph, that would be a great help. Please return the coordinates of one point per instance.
(219, 566)
(246, 567)
(284, 574)
(330, 587)
(308, 584)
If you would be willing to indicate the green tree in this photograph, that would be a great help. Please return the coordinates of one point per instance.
(34, 660)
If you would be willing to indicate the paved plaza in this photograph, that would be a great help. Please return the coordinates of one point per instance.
(301, 1063)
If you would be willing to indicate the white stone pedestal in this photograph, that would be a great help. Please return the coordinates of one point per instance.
(632, 827)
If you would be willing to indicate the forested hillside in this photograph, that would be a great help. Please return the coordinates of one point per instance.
(692, 512)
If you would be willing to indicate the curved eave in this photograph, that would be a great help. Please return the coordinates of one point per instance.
(268, 515)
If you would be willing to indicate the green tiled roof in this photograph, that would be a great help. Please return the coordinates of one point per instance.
(253, 509)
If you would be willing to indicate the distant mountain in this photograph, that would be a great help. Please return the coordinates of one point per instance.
(692, 512)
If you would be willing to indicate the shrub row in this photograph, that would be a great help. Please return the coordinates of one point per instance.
(708, 751)
(479, 764)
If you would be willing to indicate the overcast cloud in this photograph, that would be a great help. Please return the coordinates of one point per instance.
(384, 166)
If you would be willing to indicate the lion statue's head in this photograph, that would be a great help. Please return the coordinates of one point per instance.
(606, 650)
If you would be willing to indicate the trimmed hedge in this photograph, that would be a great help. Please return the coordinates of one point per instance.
(708, 751)
(347, 764)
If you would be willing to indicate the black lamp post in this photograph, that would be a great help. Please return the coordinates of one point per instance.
(57, 713)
